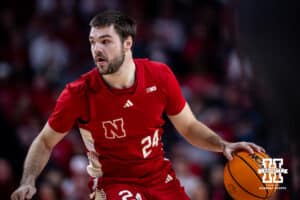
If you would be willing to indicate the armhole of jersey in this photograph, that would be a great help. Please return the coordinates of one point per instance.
(59, 132)
(181, 108)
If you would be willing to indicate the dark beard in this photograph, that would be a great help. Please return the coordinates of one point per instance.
(115, 64)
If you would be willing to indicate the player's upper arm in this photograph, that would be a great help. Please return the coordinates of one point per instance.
(50, 137)
(183, 120)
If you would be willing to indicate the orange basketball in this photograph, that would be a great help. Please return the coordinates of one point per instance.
(242, 180)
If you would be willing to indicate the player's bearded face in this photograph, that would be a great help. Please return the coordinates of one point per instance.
(109, 66)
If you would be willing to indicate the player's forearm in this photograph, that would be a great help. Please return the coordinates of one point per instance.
(36, 159)
(203, 137)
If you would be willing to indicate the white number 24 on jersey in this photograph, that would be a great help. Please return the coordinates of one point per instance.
(150, 142)
(126, 194)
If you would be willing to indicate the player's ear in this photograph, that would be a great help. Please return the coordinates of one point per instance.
(128, 42)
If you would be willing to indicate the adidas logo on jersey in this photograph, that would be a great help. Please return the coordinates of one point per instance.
(128, 104)
(151, 89)
(169, 178)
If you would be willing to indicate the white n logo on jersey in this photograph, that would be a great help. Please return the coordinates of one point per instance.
(114, 129)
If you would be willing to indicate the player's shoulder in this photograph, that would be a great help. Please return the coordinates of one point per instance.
(152, 65)
(83, 83)
(154, 68)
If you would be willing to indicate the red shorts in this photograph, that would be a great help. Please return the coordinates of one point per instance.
(170, 189)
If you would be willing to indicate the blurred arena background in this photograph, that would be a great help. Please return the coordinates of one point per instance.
(235, 61)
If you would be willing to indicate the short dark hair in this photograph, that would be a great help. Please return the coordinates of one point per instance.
(124, 25)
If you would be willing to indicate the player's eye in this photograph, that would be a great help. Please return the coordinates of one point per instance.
(92, 42)
(106, 41)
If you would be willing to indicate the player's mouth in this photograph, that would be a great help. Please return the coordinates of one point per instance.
(101, 60)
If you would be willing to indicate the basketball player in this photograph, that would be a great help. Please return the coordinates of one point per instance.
(118, 108)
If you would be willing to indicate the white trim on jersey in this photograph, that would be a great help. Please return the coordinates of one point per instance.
(94, 169)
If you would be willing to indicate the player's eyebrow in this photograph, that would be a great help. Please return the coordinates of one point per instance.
(101, 36)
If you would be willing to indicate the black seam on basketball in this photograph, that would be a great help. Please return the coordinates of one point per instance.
(254, 173)
(264, 185)
(229, 170)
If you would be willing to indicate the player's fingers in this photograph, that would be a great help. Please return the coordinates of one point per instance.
(245, 146)
(257, 147)
(228, 153)
(13, 196)
(17, 195)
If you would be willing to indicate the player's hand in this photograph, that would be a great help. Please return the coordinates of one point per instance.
(229, 148)
(23, 192)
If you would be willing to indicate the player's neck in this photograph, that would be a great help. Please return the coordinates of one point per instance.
(124, 77)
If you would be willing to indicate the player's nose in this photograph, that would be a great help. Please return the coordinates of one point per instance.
(98, 47)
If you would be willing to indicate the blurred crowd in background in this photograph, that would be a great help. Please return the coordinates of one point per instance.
(44, 45)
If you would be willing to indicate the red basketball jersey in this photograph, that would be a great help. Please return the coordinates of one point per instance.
(121, 129)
